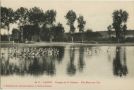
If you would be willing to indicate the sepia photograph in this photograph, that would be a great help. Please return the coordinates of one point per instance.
(66, 44)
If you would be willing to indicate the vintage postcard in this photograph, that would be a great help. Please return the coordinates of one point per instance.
(66, 44)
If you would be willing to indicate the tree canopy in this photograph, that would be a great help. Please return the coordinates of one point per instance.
(81, 23)
(119, 20)
(21, 16)
(36, 16)
(71, 17)
(50, 16)
(7, 16)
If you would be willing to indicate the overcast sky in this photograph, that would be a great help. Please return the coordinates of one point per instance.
(98, 14)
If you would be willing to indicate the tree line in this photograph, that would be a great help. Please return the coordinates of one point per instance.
(41, 24)
(35, 24)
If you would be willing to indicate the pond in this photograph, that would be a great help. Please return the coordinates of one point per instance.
(68, 61)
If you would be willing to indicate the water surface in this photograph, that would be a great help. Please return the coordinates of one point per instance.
(69, 61)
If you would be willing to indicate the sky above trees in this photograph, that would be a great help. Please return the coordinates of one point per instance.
(98, 15)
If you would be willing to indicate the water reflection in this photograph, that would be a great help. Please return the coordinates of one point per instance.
(71, 67)
(31, 60)
(81, 61)
(119, 63)
(61, 60)
(109, 53)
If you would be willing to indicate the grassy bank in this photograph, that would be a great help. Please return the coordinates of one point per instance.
(64, 44)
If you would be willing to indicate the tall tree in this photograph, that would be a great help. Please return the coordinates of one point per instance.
(71, 17)
(124, 30)
(7, 17)
(45, 33)
(50, 18)
(119, 19)
(81, 25)
(36, 18)
(109, 28)
(21, 17)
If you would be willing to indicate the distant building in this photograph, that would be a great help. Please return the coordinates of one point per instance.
(104, 34)
(130, 34)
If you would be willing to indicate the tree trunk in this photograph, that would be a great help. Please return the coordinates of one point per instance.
(72, 39)
(117, 36)
(21, 33)
(8, 28)
(81, 37)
